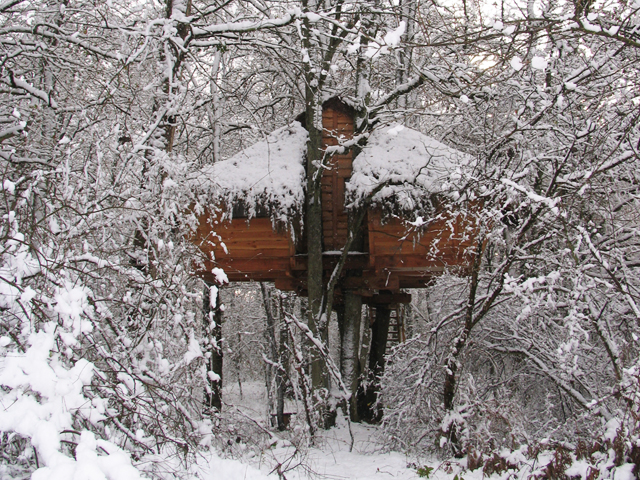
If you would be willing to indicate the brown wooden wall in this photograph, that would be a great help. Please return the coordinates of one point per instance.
(337, 122)
(443, 244)
(246, 251)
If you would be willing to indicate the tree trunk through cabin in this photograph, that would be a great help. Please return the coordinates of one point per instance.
(370, 410)
(318, 323)
(212, 319)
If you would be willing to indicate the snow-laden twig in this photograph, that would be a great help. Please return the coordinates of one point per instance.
(333, 369)
(564, 385)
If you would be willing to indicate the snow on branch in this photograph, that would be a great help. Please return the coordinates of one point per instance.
(248, 26)
(398, 91)
(410, 85)
(556, 378)
(608, 165)
(12, 131)
(4, 6)
(54, 32)
(549, 202)
(30, 89)
(334, 371)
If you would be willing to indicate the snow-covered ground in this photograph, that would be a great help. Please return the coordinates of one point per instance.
(329, 458)
(332, 457)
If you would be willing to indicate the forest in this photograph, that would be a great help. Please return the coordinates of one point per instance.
(499, 138)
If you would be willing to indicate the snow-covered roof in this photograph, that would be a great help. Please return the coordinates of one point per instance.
(270, 173)
(406, 165)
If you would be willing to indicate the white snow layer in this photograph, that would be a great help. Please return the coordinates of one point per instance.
(269, 173)
(38, 399)
(516, 64)
(404, 165)
(538, 63)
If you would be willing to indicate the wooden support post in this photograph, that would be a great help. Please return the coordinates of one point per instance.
(212, 318)
(379, 333)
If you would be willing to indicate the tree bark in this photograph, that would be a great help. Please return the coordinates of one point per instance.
(283, 361)
(350, 349)
(313, 223)
(212, 317)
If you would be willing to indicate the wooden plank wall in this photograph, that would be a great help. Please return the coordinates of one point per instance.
(444, 243)
(251, 251)
(337, 123)
(397, 258)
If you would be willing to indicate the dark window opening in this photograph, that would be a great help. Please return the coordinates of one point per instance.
(240, 210)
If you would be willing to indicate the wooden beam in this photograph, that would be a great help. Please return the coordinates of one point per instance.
(356, 261)
(290, 284)
(369, 281)
(385, 298)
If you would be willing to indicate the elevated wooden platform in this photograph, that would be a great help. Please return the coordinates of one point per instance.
(398, 257)
(395, 254)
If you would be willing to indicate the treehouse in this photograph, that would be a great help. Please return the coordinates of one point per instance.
(254, 228)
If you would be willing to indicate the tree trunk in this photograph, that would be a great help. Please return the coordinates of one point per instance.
(350, 349)
(283, 361)
(318, 322)
(212, 316)
(405, 60)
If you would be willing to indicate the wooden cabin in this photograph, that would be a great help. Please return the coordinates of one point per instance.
(258, 233)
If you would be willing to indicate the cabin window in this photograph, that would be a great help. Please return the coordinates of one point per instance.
(240, 210)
